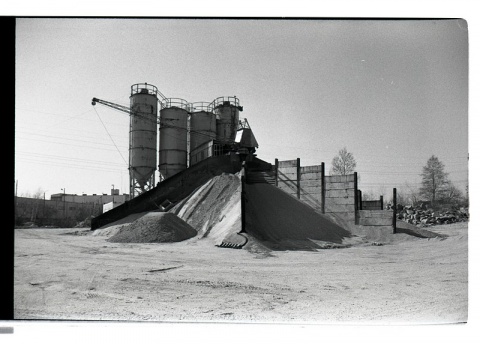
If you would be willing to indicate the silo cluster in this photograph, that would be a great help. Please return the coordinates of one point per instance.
(189, 133)
(192, 132)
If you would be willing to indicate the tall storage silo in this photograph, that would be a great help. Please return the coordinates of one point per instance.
(227, 111)
(143, 138)
(173, 137)
(203, 129)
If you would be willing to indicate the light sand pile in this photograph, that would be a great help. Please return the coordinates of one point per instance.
(214, 209)
(113, 228)
(281, 222)
(155, 227)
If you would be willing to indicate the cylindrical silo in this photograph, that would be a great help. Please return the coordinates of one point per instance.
(203, 125)
(227, 111)
(173, 137)
(143, 138)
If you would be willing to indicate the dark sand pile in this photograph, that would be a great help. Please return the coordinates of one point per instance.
(383, 234)
(407, 228)
(155, 227)
(281, 222)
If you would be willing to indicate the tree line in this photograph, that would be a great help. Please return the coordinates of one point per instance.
(436, 187)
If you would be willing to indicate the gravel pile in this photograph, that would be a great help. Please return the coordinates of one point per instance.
(155, 227)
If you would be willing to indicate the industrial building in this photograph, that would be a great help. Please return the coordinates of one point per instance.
(201, 140)
(64, 208)
(114, 198)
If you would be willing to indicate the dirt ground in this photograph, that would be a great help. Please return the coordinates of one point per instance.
(69, 274)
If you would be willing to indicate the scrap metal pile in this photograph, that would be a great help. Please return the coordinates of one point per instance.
(428, 217)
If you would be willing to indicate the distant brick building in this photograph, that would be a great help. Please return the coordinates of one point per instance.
(63, 209)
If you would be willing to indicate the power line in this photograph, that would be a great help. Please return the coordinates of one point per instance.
(83, 167)
(81, 146)
(404, 173)
(56, 157)
(49, 113)
(60, 137)
(304, 148)
(409, 183)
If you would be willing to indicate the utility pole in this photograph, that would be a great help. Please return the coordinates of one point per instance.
(43, 215)
(64, 205)
(394, 220)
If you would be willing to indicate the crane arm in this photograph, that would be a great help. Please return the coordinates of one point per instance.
(112, 105)
(143, 115)
(126, 109)
(123, 109)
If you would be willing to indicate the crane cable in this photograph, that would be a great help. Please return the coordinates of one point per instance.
(110, 136)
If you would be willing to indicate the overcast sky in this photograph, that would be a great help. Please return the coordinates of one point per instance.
(393, 92)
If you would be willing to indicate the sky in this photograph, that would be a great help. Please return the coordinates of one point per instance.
(393, 92)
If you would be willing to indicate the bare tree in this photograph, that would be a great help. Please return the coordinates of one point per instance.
(434, 180)
(39, 194)
(412, 194)
(453, 194)
(344, 163)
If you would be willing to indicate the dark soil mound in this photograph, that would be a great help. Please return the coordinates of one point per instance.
(281, 222)
(155, 227)
(403, 227)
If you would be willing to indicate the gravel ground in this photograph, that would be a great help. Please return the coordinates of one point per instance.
(85, 277)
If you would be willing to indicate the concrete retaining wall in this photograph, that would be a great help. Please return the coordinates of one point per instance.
(287, 176)
(311, 185)
(331, 194)
(340, 194)
(375, 217)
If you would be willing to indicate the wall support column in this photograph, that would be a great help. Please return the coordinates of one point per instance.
(359, 198)
(355, 183)
(276, 172)
(298, 178)
(323, 188)
(394, 220)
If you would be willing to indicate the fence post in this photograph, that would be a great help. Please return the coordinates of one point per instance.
(242, 199)
(298, 178)
(394, 221)
(355, 195)
(276, 172)
(323, 188)
(359, 199)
